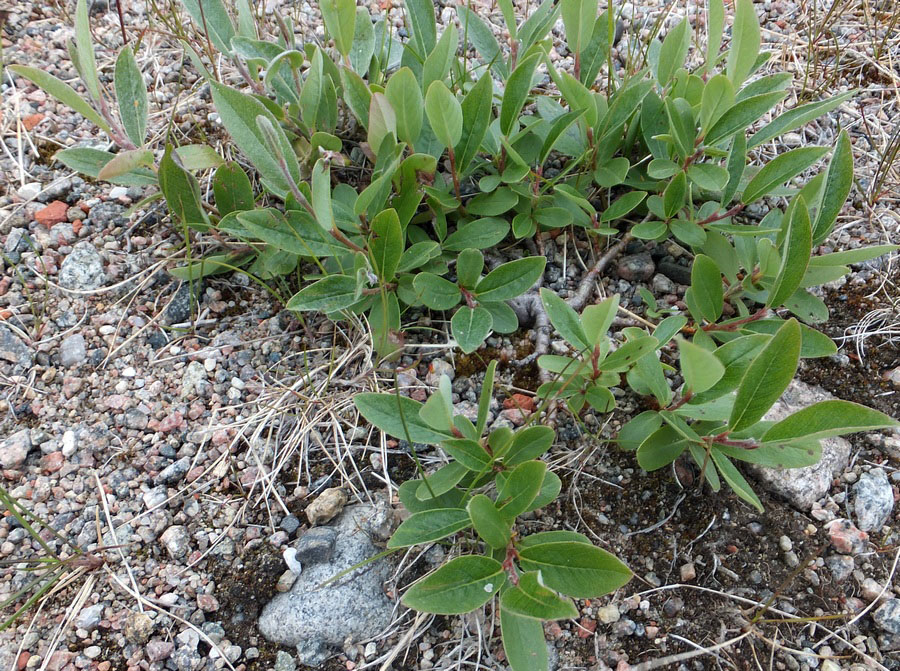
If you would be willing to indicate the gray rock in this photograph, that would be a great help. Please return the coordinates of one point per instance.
(17, 241)
(290, 523)
(676, 272)
(802, 487)
(888, 616)
(14, 450)
(174, 471)
(12, 349)
(436, 369)
(316, 545)
(662, 285)
(136, 419)
(841, 566)
(194, 381)
(284, 661)
(176, 540)
(315, 619)
(106, 215)
(29, 191)
(180, 308)
(186, 659)
(72, 351)
(82, 269)
(158, 650)
(873, 500)
(636, 267)
(89, 617)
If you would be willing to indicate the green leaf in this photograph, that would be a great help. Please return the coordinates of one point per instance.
(517, 88)
(745, 41)
(441, 481)
(429, 526)
(708, 176)
(706, 287)
(85, 50)
(734, 479)
(382, 120)
(564, 319)
(440, 60)
(357, 95)
(232, 189)
(742, 115)
(482, 38)
(660, 448)
(238, 113)
(181, 191)
(195, 157)
(470, 326)
(737, 162)
(469, 265)
(321, 194)
(579, 570)
(125, 162)
(521, 488)
(578, 19)
(681, 125)
(363, 47)
(484, 401)
(851, 256)
(62, 92)
(523, 638)
(718, 98)
(397, 416)
(469, 453)
(418, 254)
(550, 488)
(673, 51)
(528, 444)
(838, 182)
(494, 203)
(795, 254)
(796, 117)
(597, 319)
(531, 599)
(714, 28)
(422, 26)
(488, 522)
(826, 419)
(673, 196)
(91, 161)
(212, 20)
(211, 265)
(767, 377)
(459, 586)
(386, 243)
(340, 22)
(405, 97)
(476, 111)
(560, 125)
(622, 205)
(330, 294)
(444, 114)
(638, 429)
(510, 279)
(699, 367)
(436, 292)
(613, 172)
(781, 169)
(131, 94)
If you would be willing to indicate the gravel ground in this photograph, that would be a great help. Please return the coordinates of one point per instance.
(178, 437)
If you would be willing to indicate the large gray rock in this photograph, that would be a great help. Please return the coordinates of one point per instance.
(12, 349)
(14, 450)
(873, 500)
(82, 269)
(318, 620)
(802, 487)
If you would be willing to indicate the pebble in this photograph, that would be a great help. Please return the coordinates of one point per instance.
(29, 191)
(316, 545)
(328, 504)
(52, 214)
(873, 500)
(785, 544)
(157, 650)
(176, 540)
(284, 661)
(841, 567)
(688, 572)
(608, 614)
(174, 471)
(138, 627)
(870, 589)
(12, 349)
(888, 616)
(82, 269)
(14, 450)
(89, 617)
(846, 538)
(636, 267)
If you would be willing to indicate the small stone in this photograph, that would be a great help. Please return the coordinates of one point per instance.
(888, 616)
(194, 381)
(608, 614)
(841, 567)
(284, 661)
(870, 589)
(14, 450)
(519, 401)
(174, 471)
(30, 191)
(89, 617)
(662, 285)
(286, 581)
(72, 351)
(636, 267)
(176, 540)
(436, 369)
(207, 603)
(673, 606)
(370, 650)
(136, 419)
(82, 269)
(873, 500)
(791, 559)
(157, 651)
(846, 538)
(12, 349)
(785, 544)
(289, 524)
(688, 572)
(316, 545)
(92, 651)
(75, 214)
(118, 192)
(52, 214)
(138, 627)
(328, 504)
